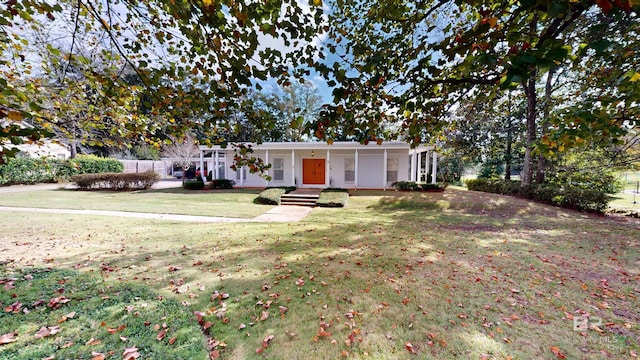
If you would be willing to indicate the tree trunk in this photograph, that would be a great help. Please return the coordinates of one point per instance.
(548, 89)
(507, 150)
(72, 149)
(541, 169)
(530, 91)
(507, 156)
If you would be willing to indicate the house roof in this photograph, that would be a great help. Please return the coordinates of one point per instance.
(337, 145)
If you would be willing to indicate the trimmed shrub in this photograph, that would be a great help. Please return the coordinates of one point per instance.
(496, 186)
(193, 184)
(597, 179)
(333, 198)
(287, 189)
(570, 197)
(437, 187)
(91, 164)
(335, 190)
(22, 170)
(115, 181)
(270, 196)
(405, 185)
(413, 186)
(222, 184)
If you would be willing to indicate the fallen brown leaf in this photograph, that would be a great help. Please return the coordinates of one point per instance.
(8, 338)
(410, 348)
(56, 302)
(97, 356)
(93, 342)
(14, 308)
(556, 351)
(130, 353)
(265, 316)
(47, 331)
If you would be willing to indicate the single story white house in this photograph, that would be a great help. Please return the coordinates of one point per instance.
(44, 148)
(348, 165)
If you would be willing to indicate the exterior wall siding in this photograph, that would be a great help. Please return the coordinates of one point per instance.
(368, 175)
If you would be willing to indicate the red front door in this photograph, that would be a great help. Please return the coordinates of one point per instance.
(313, 171)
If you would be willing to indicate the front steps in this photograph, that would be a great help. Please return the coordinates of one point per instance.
(299, 199)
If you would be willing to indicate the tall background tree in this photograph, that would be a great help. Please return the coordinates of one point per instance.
(283, 113)
(183, 151)
(191, 59)
(413, 62)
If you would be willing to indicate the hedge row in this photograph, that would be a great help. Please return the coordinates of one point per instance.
(496, 186)
(222, 184)
(196, 184)
(115, 181)
(22, 170)
(571, 197)
(414, 186)
(90, 164)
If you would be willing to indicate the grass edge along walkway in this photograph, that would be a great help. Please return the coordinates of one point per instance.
(277, 214)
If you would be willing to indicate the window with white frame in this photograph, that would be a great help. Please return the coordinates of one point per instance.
(278, 169)
(222, 165)
(349, 170)
(244, 173)
(392, 169)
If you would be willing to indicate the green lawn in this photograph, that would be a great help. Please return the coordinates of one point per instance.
(228, 203)
(393, 275)
(628, 198)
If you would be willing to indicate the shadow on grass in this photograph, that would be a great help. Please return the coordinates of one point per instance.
(78, 314)
(441, 271)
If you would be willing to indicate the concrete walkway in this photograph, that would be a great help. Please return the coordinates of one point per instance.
(36, 187)
(284, 214)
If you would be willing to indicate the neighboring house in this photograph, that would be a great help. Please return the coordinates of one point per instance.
(42, 148)
(319, 165)
(47, 148)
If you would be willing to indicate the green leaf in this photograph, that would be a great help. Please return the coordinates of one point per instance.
(600, 46)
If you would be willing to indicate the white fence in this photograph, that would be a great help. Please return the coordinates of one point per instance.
(164, 168)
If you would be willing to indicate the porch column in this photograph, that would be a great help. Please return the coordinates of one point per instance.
(293, 167)
(426, 166)
(202, 175)
(327, 170)
(434, 170)
(266, 160)
(413, 165)
(241, 176)
(384, 170)
(355, 178)
(420, 167)
(216, 164)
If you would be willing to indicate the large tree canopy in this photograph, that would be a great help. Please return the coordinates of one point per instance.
(189, 58)
(412, 62)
